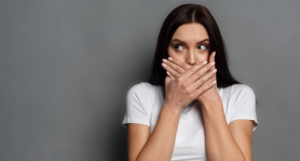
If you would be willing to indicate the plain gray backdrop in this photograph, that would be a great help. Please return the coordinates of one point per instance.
(66, 67)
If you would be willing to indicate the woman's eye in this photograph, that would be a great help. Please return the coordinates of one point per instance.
(202, 47)
(178, 47)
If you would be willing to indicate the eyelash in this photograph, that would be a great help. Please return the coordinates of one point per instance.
(176, 47)
(206, 47)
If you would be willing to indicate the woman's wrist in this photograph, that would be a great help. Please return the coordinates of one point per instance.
(211, 102)
(172, 107)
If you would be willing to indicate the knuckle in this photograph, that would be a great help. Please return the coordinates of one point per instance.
(180, 79)
(199, 73)
(201, 81)
(206, 77)
(180, 70)
(191, 96)
(201, 91)
(209, 86)
(185, 66)
(192, 68)
(208, 66)
(188, 91)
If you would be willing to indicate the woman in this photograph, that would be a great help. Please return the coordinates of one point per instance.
(188, 110)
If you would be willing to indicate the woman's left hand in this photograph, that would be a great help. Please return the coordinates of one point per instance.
(175, 67)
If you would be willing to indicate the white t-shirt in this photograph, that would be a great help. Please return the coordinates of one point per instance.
(144, 102)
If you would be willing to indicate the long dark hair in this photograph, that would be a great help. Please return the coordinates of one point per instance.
(184, 14)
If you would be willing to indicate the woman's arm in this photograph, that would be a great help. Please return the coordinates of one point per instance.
(160, 144)
(220, 143)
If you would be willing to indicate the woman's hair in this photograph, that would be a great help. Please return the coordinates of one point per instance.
(184, 14)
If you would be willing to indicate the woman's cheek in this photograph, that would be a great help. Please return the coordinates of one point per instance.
(202, 56)
(178, 56)
(175, 54)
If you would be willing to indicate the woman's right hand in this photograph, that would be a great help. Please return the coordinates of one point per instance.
(184, 89)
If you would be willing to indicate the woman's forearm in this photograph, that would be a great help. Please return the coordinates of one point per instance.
(220, 144)
(160, 144)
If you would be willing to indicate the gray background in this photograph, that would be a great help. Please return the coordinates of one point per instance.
(66, 67)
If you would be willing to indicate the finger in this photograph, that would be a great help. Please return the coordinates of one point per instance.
(170, 75)
(212, 57)
(170, 70)
(175, 67)
(200, 73)
(179, 63)
(201, 82)
(167, 80)
(191, 71)
(203, 89)
(211, 79)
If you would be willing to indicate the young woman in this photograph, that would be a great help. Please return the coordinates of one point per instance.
(191, 108)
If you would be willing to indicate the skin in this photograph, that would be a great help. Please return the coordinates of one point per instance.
(239, 130)
(223, 142)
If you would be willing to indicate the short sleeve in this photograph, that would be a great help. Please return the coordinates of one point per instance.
(244, 104)
(137, 108)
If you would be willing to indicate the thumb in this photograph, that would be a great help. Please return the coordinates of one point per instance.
(167, 80)
(212, 57)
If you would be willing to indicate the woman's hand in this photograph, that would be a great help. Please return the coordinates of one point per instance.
(175, 67)
(188, 86)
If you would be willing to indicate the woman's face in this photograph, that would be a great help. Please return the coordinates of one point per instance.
(189, 44)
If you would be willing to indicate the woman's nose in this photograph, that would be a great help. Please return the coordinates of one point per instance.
(191, 59)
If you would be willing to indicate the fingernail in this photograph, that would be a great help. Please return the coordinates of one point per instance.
(163, 64)
(204, 62)
(170, 58)
(215, 70)
(214, 54)
(212, 63)
(168, 73)
(214, 82)
(165, 60)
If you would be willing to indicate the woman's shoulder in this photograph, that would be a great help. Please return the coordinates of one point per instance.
(239, 90)
(143, 89)
(142, 86)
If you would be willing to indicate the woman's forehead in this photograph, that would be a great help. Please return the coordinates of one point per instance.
(190, 32)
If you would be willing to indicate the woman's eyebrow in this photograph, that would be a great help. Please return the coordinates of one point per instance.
(185, 43)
